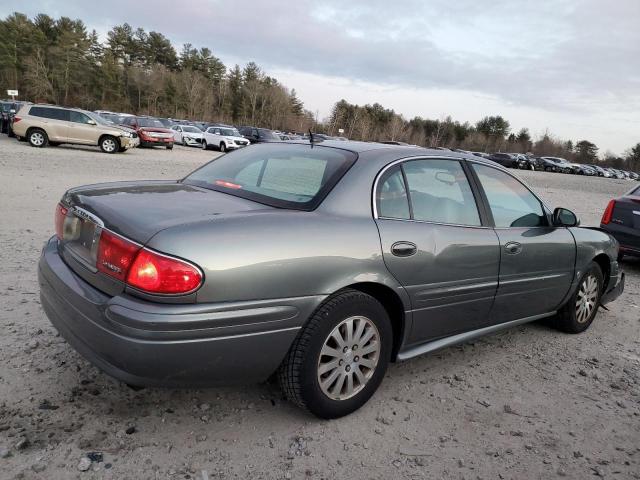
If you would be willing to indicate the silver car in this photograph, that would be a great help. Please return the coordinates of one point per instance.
(322, 262)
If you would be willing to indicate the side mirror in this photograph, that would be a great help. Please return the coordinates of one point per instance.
(91, 122)
(12, 110)
(563, 217)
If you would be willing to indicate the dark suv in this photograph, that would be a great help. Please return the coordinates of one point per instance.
(258, 135)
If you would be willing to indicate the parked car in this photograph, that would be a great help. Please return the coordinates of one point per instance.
(151, 131)
(223, 138)
(313, 261)
(5, 107)
(187, 135)
(258, 135)
(504, 159)
(15, 107)
(44, 125)
(601, 172)
(525, 162)
(621, 219)
(616, 173)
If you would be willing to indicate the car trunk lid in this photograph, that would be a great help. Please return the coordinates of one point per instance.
(136, 211)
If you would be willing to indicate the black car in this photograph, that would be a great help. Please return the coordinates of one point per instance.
(9, 110)
(621, 219)
(258, 135)
(5, 107)
(505, 159)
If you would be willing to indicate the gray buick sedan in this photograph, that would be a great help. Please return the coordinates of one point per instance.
(320, 262)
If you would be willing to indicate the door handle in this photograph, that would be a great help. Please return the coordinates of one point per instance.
(513, 248)
(404, 249)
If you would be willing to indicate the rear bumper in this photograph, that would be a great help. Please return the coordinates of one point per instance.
(627, 237)
(173, 345)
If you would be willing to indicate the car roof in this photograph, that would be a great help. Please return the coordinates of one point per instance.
(399, 151)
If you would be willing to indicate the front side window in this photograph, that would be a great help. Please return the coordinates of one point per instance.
(511, 203)
(285, 176)
(439, 191)
(78, 117)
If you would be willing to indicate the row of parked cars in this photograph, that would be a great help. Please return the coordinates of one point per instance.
(43, 125)
(51, 125)
(554, 164)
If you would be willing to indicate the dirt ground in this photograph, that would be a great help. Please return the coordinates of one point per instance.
(525, 403)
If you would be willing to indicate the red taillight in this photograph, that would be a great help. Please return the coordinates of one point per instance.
(115, 255)
(61, 214)
(155, 273)
(144, 269)
(16, 119)
(608, 212)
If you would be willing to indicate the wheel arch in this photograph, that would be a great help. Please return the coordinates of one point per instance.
(394, 306)
(117, 138)
(603, 261)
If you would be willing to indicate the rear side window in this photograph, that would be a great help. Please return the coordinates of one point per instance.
(439, 191)
(512, 204)
(286, 176)
(53, 113)
(392, 198)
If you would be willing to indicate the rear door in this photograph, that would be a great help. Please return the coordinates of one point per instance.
(435, 243)
(55, 122)
(82, 129)
(537, 260)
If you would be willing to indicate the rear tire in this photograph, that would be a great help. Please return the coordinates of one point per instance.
(325, 372)
(37, 138)
(170, 147)
(578, 313)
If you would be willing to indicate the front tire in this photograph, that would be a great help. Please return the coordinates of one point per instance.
(109, 144)
(340, 356)
(223, 147)
(204, 145)
(38, 138)
(170, 147)
(578, 313)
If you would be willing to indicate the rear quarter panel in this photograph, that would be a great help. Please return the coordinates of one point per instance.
(278, 254)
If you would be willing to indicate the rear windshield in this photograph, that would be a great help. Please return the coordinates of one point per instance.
(284, 176)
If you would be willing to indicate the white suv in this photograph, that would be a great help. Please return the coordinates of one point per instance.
(223, 138)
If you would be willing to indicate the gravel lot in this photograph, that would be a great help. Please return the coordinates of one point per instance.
(526, 403)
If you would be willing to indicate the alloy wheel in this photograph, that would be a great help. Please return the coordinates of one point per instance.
(109, 145)
(348, 358)
(587, 298)
(37, 139)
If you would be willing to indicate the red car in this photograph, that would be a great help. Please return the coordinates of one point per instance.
(151, 131)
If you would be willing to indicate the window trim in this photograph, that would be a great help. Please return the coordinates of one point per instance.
(486, 222)
(545, 208)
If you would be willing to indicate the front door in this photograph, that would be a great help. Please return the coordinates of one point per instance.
(435, 244)
(82, 129)
(537, 260)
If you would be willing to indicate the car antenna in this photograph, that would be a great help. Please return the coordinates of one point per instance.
(311, 137)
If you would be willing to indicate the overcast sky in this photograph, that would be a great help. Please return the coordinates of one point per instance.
(572, 66)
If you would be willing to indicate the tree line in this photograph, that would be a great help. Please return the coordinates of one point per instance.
(59, 61)
(490, 134)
